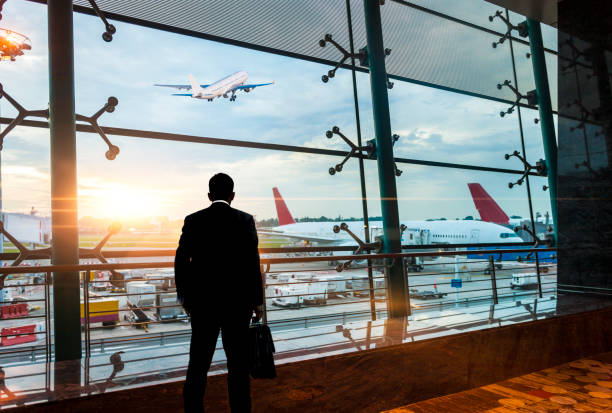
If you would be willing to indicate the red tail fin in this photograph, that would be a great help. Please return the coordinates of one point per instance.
(487, 207)
(284, 216)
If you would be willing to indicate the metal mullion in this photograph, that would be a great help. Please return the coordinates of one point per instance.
(140, 134)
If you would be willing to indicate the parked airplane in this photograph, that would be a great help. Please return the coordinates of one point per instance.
(490, 211)
(228, 85)
(417, 232)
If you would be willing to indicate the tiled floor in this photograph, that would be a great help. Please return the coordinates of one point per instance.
(580, 386)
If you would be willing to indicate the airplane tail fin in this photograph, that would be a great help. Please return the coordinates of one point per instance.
(284, 216)
(194, 85)
(488, 209)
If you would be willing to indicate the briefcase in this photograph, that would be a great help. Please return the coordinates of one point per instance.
(262, 352)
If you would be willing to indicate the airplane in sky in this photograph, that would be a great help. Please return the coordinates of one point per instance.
(226, 87)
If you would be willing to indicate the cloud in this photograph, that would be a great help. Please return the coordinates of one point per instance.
(297, 110)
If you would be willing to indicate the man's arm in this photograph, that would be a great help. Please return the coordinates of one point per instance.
(182, 262)
(255, 270)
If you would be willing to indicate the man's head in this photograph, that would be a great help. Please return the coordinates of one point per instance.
(221, 188)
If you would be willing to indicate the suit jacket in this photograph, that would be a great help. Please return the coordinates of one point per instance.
(217, 262)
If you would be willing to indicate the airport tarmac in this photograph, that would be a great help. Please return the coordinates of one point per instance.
(475, 290)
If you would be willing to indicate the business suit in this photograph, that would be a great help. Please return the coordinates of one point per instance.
(218, 280)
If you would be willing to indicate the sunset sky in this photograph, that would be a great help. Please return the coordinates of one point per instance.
(157, 178)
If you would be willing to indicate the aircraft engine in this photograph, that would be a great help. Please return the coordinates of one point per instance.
(225, 95)
(247, 90)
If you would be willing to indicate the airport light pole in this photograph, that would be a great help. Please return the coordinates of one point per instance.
(65, 245)
(397, 297)
(547, 124)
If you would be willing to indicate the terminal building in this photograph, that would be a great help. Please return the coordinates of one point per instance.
(430, 182)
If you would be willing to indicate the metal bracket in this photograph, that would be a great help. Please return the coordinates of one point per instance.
(110, 29)
(540, 168)
(361, 55)
(531, 97)
(346, 333)
(118, 365)
(109, 107)
(549, 241)
(25, 253)
(369, 148)
(22, 113)
(116, 278)
(576, 55)
(362, 246)
(585, 115)
(521, 28)
(587, 164)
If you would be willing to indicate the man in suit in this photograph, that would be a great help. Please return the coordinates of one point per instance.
(218, 282)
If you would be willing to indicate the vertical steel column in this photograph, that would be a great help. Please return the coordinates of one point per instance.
(398, 302)
(65, 246)
(364, 195)
(540, 76)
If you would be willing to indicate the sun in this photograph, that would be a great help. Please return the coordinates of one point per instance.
(120, 202)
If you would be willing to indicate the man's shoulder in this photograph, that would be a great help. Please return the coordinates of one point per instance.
(196, 215)
(243, 215)
(206, 212)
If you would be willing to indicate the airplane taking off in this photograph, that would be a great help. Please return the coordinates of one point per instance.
(228, 85)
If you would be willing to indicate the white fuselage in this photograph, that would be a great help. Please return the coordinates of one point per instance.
(416, 233)
(221, 87)
(427, 232)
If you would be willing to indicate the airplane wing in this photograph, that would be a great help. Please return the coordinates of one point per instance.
(253, 86)
(296, 236)
(180, 87)
(182, 94)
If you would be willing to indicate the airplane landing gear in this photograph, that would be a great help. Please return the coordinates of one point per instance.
(232, 98)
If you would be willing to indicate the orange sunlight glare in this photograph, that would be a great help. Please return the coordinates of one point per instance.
(119, 202)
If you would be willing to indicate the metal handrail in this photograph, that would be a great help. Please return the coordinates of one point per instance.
(271, 261)
(385, 258)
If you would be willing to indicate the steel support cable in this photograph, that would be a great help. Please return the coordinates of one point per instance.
(520, 120)
(584, 129)
(364, 197)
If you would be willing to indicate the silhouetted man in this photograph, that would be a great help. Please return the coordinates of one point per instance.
(218, 281)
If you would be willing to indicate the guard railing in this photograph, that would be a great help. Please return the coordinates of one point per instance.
(355, 293)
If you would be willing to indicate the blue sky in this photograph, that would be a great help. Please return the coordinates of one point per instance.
(170, 178)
